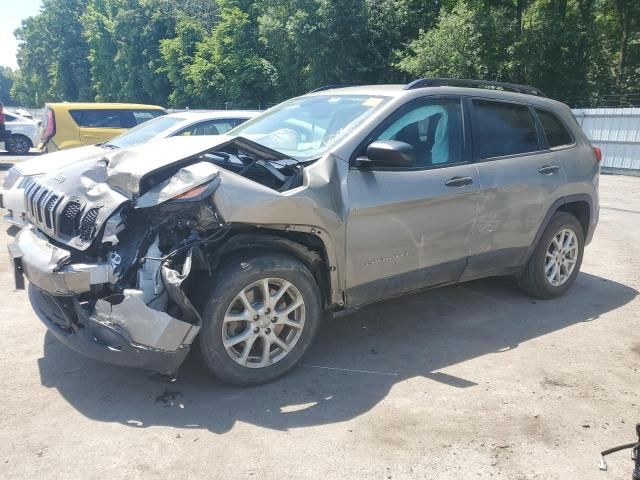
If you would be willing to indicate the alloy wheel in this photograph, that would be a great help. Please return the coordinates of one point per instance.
(19, 145)
(263, 323)
(561, 257)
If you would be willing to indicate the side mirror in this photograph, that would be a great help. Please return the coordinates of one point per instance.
(388, 153)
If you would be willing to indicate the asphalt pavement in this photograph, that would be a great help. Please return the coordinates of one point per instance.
(464, 382)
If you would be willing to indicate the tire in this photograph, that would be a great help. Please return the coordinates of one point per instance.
(535, 280)
(238, 275)
(18, 145)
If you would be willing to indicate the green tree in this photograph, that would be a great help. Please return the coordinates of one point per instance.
(6, 82)
(178, 56)
(124, 41)
(618, 22)
(466, 43)
(52, 55)
(228, 65)
(205, 52)
(557, 50)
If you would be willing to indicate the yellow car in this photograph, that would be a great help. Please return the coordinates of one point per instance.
(69, 125)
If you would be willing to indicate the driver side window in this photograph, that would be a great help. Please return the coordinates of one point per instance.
(433, 128)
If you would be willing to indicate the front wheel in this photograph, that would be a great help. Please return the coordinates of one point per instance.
(260, 319)
(556, 261)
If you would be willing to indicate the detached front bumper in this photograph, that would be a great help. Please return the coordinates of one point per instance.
(70, 323)
(119, 329)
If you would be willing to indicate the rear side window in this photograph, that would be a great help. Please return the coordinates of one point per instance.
(503, 128)
(99, 118)
(9, 118)
(119, 118)
(555, 131)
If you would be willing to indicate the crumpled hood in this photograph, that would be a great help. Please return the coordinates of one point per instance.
(98, 186)
(127, 167)
(58, 160)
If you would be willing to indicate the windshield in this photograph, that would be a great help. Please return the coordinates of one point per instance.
(144, 132)
(304, 128)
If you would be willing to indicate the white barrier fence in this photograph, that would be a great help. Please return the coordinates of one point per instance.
(617, 132)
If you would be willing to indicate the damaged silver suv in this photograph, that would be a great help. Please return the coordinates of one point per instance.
(238, 244)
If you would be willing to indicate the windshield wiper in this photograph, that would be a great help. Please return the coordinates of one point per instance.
(110, 146)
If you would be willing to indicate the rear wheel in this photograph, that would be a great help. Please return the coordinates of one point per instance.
(260, 319)
(556, 261)
(18, 145)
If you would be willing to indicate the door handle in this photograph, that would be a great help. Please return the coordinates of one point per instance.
(459, 182)
(549, 169)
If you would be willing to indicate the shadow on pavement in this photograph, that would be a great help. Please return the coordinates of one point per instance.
(353, 364)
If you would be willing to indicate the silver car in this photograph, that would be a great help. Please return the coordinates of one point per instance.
(24, 133)
(188, 123)
(324, 203)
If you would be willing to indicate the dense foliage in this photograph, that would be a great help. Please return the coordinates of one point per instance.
(209, 53)
(6, 82)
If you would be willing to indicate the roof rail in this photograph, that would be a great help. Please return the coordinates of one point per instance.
(461, 82)
(329, 87)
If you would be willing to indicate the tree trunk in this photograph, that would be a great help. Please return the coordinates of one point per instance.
(623, 23)
(518, 74)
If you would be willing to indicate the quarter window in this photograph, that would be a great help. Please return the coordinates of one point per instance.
(555, 131)
(433, 128)
(503, 128)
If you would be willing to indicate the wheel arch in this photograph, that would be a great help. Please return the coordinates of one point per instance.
(580, 206)
(581, 209)
(303, 246)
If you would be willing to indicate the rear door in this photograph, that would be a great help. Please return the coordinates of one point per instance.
(520, 178)
(408, 228)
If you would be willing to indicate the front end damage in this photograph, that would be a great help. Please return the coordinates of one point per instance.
(127, 305)
(115, 261)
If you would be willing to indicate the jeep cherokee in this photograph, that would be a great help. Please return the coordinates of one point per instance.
(345, 196)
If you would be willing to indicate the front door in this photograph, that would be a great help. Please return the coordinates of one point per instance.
(409, 228)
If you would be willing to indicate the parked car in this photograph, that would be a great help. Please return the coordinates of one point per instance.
(177, 124)
(4, 133)
(24, 134)
(326, 202)
(21, 112)
(71, 125)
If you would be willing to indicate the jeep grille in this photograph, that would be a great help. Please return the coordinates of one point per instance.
(57, 215)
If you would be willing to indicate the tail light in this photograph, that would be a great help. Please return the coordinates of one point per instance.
(598, 153)
(49, 126)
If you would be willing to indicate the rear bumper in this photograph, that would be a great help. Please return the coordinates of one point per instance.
(70, 323)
